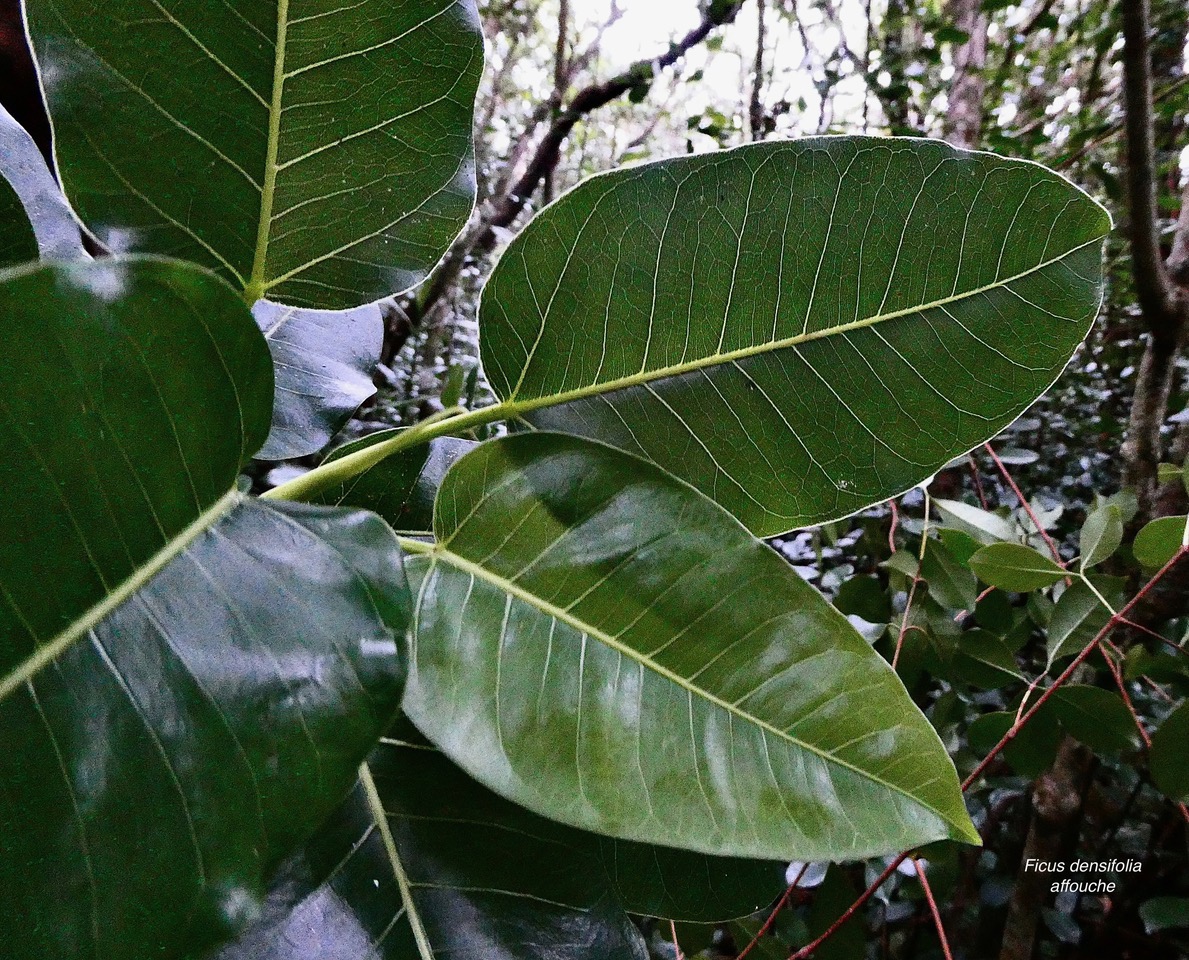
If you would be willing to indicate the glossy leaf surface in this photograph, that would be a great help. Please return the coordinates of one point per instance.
(156, 773)
(323, 362)
(195, 692)
(483, 877)
(138, 389)
(313, 152)
(600, 643)
(799, 329)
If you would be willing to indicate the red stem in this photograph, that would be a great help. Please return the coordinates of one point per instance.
(780, 905)
(945, 944)
(1023, 502)
(854, 908)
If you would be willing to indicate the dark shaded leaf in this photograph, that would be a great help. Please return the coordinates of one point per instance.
(1098, 718)
(323, 362)
(195, 694)
(479, 876)
(315, 154)
(1170, 755)
(401, 488)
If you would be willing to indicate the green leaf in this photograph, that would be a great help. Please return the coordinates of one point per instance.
(1170, 473)
(195, 693)
(1101, 535)
(1164, 913)
(323, 362)
(482, 877)
(1015, 567)
(1098, 718)
(17, 242)
(1159, 541)
(801, 328)
(830, 902)
(400, 488)
(1170, 769)
(961, 545)
(315, 154)
(142, 377)
(34, 216)
(601, 644)
(1077, 619)
(1032, 751)
(986, 660)
(982, 525)
(864, 597)
(950, 584)
(449, 870)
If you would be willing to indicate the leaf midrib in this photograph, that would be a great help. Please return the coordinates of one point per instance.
(716, 359)
(45, 653)
(438, 552)
(375, 805)
(255, 287)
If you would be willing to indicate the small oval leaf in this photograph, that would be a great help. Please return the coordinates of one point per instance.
(1015, 567)
(1159, 541)
(1101, 535)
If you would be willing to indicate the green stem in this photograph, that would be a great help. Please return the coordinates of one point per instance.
(335, 472)
(420, 547)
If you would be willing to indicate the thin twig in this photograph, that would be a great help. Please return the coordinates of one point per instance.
(945, 944)
(780, 905)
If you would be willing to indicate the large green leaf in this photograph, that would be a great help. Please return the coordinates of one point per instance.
(477, 876)
(602, 644)
(135, 391)
(311, 151)
(802, 328)
(188, 679)
(33, 213)
(323, 361)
